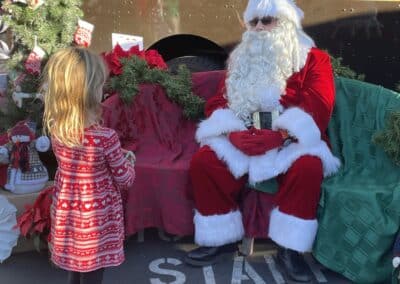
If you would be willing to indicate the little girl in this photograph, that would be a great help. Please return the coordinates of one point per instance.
(87, 229)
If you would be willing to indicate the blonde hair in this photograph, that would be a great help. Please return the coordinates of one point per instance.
(72, 86)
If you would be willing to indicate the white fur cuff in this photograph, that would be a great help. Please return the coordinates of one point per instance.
(300, 125)
(237, 162)
(221, 121)
(218, 230)
(292, 232)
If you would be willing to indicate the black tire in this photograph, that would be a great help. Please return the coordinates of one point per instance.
(196, 63)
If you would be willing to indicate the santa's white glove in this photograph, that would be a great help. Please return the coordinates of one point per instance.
(4, 155)
(396, 261)
(42, 144)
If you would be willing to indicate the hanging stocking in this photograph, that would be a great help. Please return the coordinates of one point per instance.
(83, 33)
(34, 61)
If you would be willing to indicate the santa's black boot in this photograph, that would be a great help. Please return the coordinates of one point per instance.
(204, 256)
(292, 265)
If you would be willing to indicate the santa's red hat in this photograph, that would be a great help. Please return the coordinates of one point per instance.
(274, 8)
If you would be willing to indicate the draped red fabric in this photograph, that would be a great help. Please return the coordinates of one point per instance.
(163, 141)
(256, 209)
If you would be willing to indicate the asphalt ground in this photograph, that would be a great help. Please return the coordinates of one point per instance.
(156, 258)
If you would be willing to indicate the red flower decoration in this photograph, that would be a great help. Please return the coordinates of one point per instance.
(36, 218)
(112, 59)
(154, 60)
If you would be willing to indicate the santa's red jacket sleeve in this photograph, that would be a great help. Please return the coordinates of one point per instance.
(306, 109)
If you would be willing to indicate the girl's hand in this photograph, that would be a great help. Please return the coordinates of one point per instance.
(130, 156)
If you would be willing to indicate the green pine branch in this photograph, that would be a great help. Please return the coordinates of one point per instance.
(343, 70)
(389, 138)
(53, 24)
(178, 88)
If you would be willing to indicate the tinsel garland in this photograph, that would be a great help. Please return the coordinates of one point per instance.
(389, 138)
(178, 88)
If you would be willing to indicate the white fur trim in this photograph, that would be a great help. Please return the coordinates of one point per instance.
(291, 153)
(263, 167)
(292, 232)
(277, 162)
(221, 121)
(274, 8)
(218, 230)
(237, 161)
(300, 125)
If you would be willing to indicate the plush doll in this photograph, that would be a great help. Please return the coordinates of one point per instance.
(25, 173)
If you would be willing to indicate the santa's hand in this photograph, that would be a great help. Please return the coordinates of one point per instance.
(396, 261)
(3, 155)
(42, 144)
(256, 142)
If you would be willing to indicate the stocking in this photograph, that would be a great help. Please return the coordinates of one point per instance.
(83, 34)
(34, 61)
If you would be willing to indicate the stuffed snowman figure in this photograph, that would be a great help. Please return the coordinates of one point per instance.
(25, 173)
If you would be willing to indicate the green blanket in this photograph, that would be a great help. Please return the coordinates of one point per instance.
(359, 213)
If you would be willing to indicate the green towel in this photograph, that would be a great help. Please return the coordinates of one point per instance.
(359, 212)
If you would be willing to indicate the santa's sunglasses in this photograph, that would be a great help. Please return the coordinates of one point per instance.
(265, 21)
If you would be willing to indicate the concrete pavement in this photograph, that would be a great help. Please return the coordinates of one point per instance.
(157, 258)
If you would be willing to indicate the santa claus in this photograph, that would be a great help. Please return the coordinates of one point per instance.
(277, 70)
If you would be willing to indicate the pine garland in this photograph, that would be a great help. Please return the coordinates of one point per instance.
(344, 71)
(389, 138)
(178, 87)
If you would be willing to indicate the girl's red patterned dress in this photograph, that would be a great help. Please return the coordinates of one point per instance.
(87, 230)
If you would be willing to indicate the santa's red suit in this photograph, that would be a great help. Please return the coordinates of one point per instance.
(219, 170)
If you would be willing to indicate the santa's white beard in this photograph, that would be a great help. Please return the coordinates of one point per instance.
(259, 68)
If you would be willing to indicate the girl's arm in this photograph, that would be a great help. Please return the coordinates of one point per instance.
(122, 170)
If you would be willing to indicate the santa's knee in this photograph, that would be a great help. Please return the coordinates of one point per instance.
(307, 168)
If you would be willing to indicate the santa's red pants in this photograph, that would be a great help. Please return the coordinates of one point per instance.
(218, 221)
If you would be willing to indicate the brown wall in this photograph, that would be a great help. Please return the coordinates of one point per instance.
(365, 33)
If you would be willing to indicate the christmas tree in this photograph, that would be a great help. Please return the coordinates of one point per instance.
(38, 28)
